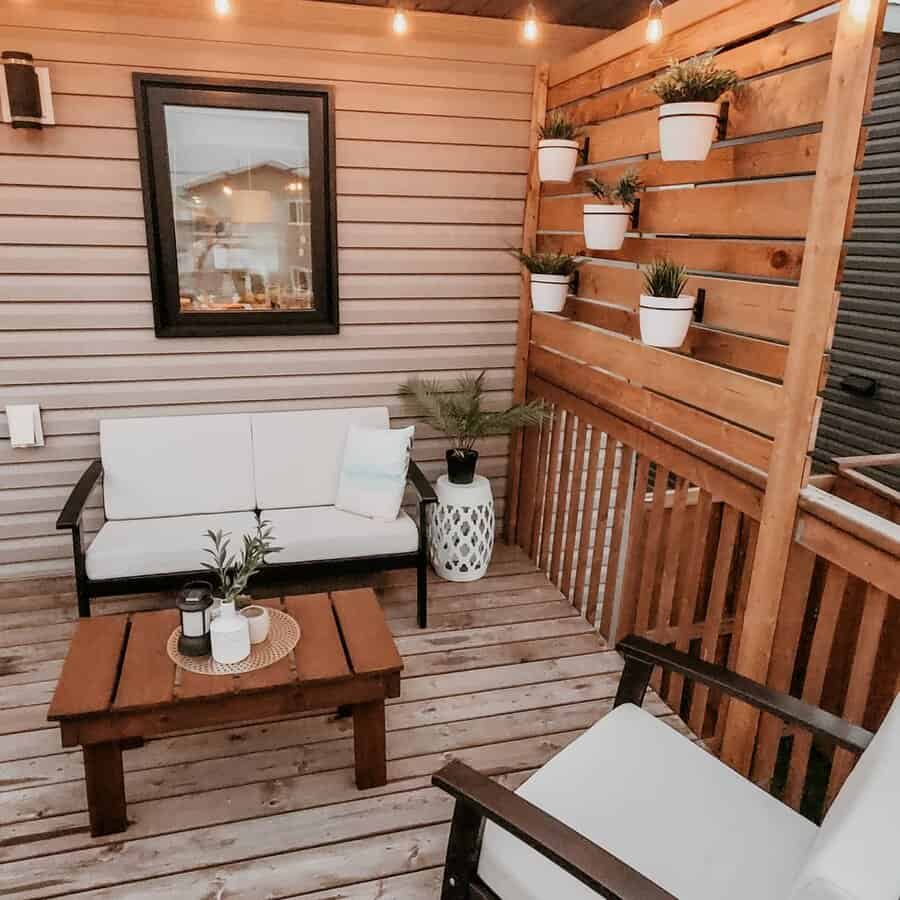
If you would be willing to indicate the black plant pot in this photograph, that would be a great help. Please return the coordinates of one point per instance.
(461, 465)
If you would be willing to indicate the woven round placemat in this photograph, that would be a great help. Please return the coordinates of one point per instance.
(284, 633)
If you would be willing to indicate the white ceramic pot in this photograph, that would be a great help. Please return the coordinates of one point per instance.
(605, 225)
(549, 292)
(686, 130)
(258, 620)
(556, 159)
(665, 320)
(230, 635)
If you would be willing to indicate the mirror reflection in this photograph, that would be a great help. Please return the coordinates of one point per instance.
(241, 196)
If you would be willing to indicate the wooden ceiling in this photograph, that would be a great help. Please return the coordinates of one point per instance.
(586, 13)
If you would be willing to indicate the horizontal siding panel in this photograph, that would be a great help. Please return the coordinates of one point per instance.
(72, 231)
(389, 236)
(445, 262)
(424, 286)
(428, 211)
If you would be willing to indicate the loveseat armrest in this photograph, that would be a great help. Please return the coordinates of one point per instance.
(479, 798)
(417, 479)
(71, 512)
(641, 655)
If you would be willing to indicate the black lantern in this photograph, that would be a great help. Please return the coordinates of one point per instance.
(194, 603)
(23, 89)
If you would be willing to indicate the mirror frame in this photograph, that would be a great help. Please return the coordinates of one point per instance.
(152, 92)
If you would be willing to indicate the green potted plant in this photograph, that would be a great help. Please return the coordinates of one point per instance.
(606, 222)
(665, 310)
(550, 277)
(690, 109)
(557, 149)
(457, 411)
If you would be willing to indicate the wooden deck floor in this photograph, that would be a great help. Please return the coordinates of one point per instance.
(504, 678)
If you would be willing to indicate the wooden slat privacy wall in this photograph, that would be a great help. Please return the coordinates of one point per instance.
(663, 495)
(432, 154)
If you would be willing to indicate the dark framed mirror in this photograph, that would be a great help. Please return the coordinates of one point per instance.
(239, 202)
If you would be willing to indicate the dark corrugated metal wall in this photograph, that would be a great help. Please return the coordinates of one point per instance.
(867, 336)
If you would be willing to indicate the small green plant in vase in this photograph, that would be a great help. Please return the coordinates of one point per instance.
(557, 149)
(457, 411)
(665, 309)
(690, 92)
(232, 573)
(550, 277)
(606, 222)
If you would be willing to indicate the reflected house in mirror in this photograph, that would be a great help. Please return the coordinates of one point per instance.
(239, 202)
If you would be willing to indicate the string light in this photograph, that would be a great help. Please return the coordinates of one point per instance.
(400, 22)
(655, 22)
(530, 25)
(859, 10)
(222, 7)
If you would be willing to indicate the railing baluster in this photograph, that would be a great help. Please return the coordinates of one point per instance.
(562, 498)
(574, 505)
(540, 492)
(600, 586)
(581, 596)
(652, 550)
(550, 487)
(634, 559)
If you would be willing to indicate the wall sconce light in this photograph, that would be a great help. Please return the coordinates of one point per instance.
(655, 22)
(400, 21)
(530, 25)
(25, 99)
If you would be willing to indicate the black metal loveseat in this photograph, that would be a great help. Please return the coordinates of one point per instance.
(169, 479)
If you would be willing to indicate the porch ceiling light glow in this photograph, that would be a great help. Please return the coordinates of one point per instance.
(655, 22)
(530, 25)
(400, 21)
(222, 7)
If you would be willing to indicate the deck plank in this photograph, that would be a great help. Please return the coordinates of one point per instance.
(506, 676)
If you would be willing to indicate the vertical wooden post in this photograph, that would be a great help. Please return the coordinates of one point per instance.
(852, 68)
(523, 334)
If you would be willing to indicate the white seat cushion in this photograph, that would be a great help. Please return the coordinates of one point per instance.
(297, 455)
(663, 805)
(176, 466)
(856, 854)
(162, 545)
(324, 532)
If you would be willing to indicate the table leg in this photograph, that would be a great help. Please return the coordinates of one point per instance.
(105, 788)
(369, 744)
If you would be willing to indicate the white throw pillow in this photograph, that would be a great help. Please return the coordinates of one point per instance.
(373, 474)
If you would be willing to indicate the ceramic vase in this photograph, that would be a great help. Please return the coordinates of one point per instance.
(230, 635)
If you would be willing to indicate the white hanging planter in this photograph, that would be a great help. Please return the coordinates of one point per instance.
(549, 292)
(686, 130)
(557, 159)
(665, 320)
(605, 225)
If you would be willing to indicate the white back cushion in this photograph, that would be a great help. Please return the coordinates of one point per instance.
(297, 455)
(176, 466)
(856, 854)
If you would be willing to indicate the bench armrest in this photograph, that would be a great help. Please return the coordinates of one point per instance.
(71, 512)
(562, 845)
(417, 479)
(641, 655)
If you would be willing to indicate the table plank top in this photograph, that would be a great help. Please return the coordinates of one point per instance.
(119, 663)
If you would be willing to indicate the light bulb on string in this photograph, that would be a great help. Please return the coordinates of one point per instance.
(222, 7)
(400, 21)
(655, 22)
(530, 25)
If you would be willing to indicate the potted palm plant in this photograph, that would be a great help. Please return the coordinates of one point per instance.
(458, 412)
(605, 223)
(665, 310)
(550, 277)
(557, 149)
(690, 109)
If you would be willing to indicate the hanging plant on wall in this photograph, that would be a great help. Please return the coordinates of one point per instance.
(665, 310)
(551, 274)
(690, 92)
(557, 149)
(606, 222)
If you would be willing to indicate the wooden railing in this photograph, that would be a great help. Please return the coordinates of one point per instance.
(645, 533)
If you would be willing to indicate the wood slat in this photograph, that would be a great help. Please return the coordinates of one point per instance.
(563, 514)
(551, 493)
(148, 674)
(653, 549)
(534, 537)
(320, 653)
(635, 559)
(618, 537)
(370, 647)
(89, 674)
(582, 595)
(574, 522)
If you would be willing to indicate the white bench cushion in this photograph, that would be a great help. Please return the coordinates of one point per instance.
(159, 546)
(297, 455)
(661, 804)
(176, 466)
(324, 532)
(856, 854)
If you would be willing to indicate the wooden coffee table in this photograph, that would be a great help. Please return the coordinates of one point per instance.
(119, 686)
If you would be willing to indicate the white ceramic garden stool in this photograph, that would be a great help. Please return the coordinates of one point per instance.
(461, 531)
